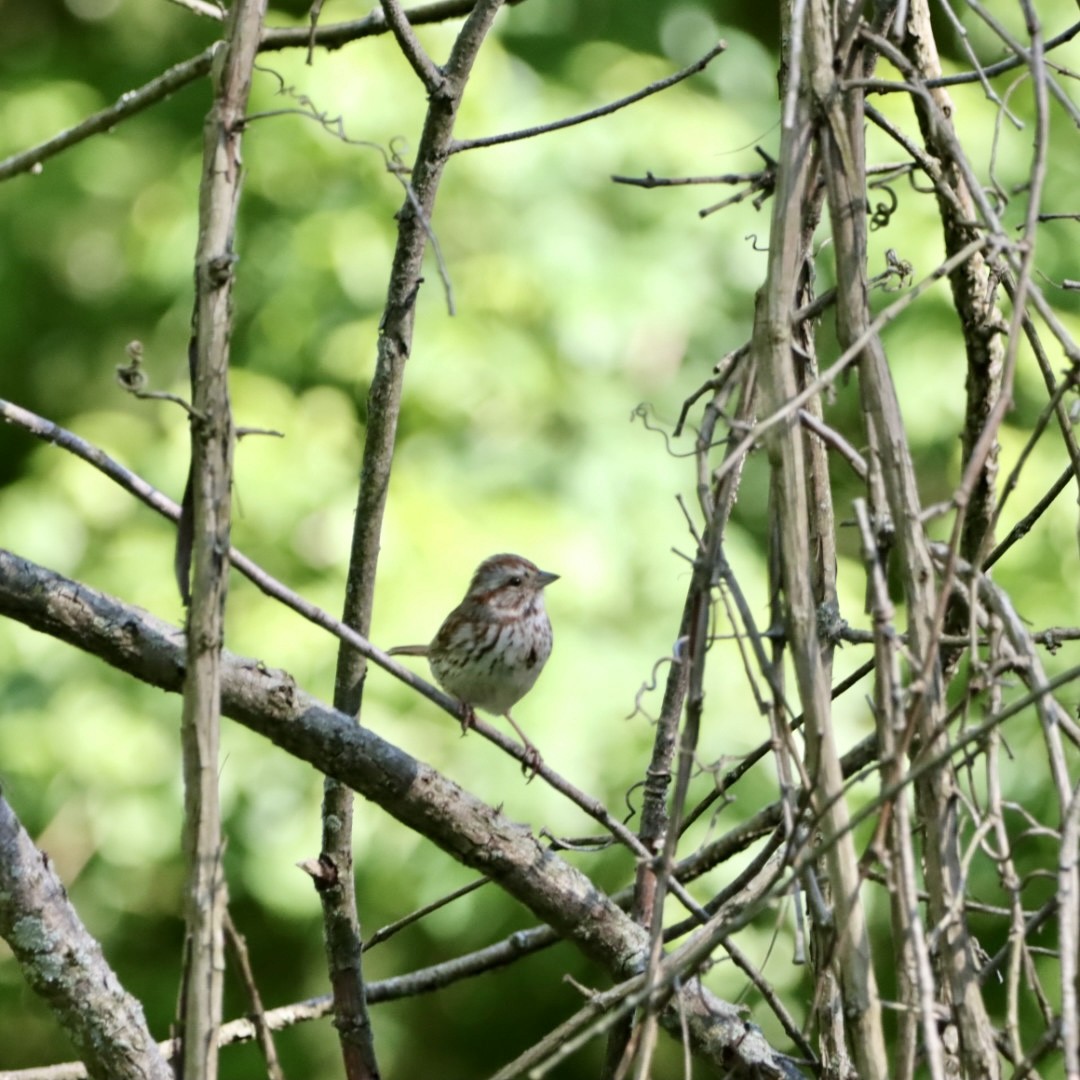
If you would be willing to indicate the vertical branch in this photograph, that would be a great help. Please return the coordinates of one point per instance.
(655, 821)
(841, 140)
(210, 483)
(692, 663)
(1068, 898)
(821, 547)
(773, 349)
(973, 296)
(340, 918)
(893, 844)
(656, 818)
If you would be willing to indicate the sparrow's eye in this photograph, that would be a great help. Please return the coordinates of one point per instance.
(516, 579)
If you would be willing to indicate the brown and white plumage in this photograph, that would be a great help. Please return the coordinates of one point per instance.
(491, 648)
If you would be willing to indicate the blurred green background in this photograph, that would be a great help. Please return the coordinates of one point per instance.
(577, 299)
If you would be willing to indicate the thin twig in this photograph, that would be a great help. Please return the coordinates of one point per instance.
(650, 181)
(132, 102)
(848, 357)
(832, 438)
(1011, 63)
(263, 1031)
(604, 110)
(201, 7)
(1023, 526)
(421, 63)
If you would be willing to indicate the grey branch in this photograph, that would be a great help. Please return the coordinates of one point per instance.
(65, 965)
(341, 921)
(199, 560)
(270, 703)
(422, 64)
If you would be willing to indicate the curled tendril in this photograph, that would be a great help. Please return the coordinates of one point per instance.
(397, 168)
(334, 125)
(133, 378)
(883, 212)
(653, 682)
(631, 808)
(644, 413)
(131, 375)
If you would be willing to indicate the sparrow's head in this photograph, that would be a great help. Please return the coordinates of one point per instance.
(509, 583)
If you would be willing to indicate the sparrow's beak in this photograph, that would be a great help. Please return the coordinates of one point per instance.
(546, 579)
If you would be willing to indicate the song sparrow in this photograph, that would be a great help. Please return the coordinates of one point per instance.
(492, 646)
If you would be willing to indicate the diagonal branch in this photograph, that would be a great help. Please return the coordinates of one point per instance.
(65, 965)
(270, 703)
(422, 64)
(272, 587)
(603, 110)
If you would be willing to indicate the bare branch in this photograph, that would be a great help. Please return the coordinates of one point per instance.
(201, 7)
(65, 965)
(270, 703)
(774, 348)
(129, 104)
(340, 918)
(422, 64)
(210, 489)
(989, 71)
(50, 432)
(188, 71)
(785, 411)
(604, 110)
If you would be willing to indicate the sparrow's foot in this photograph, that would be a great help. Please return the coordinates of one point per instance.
(531, 765)
(468, 718)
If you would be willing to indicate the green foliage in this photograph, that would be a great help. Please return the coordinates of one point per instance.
(576, 299)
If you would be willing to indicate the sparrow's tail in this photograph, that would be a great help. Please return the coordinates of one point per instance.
(408, 650)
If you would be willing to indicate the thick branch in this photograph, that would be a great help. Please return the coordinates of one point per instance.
(270, 703)
(65, 965)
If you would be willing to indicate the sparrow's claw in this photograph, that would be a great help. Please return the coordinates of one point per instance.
(468, 718)
(532, 763)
